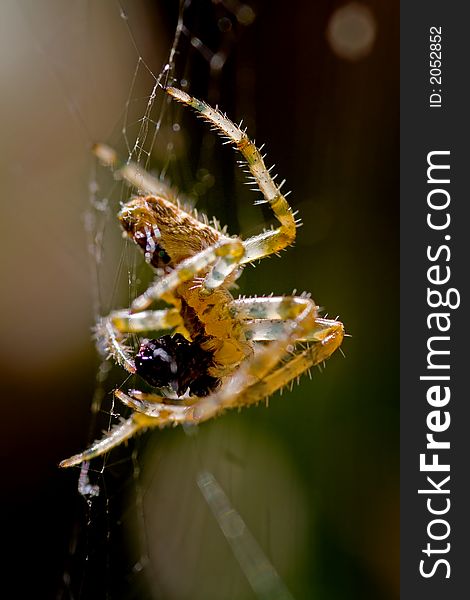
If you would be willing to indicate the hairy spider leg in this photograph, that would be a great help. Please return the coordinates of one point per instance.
(257, 329)
(262, 373)
(150, 411)
(148, 320)
(291, 370)
(271, 241)
(110, 330)
(116, 435)
(221, 256)
(265, 330)
(256, 379)
(300, 318)
(134, 174)
(263, 318)
(109, 342)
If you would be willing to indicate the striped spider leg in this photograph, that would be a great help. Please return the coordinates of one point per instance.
(223, 352)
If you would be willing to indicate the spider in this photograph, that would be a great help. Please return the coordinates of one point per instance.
(223, 352)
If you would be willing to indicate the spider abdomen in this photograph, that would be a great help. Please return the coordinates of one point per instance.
(173, 361)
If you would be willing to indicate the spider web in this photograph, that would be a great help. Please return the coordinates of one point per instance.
(138, 536)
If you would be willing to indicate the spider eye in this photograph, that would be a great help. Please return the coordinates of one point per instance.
(162, 255)
(137, 222)
(158, 257)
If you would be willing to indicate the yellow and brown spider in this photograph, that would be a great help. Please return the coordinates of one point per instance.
(223, 352)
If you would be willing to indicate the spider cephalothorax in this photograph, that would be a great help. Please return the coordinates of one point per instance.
(157, 225)
(223, 352)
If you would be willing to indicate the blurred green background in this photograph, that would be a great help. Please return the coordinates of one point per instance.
(315, 475)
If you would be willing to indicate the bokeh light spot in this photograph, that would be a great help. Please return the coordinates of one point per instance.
(351, 31)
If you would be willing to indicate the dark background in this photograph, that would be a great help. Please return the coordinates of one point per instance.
(322, 459)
